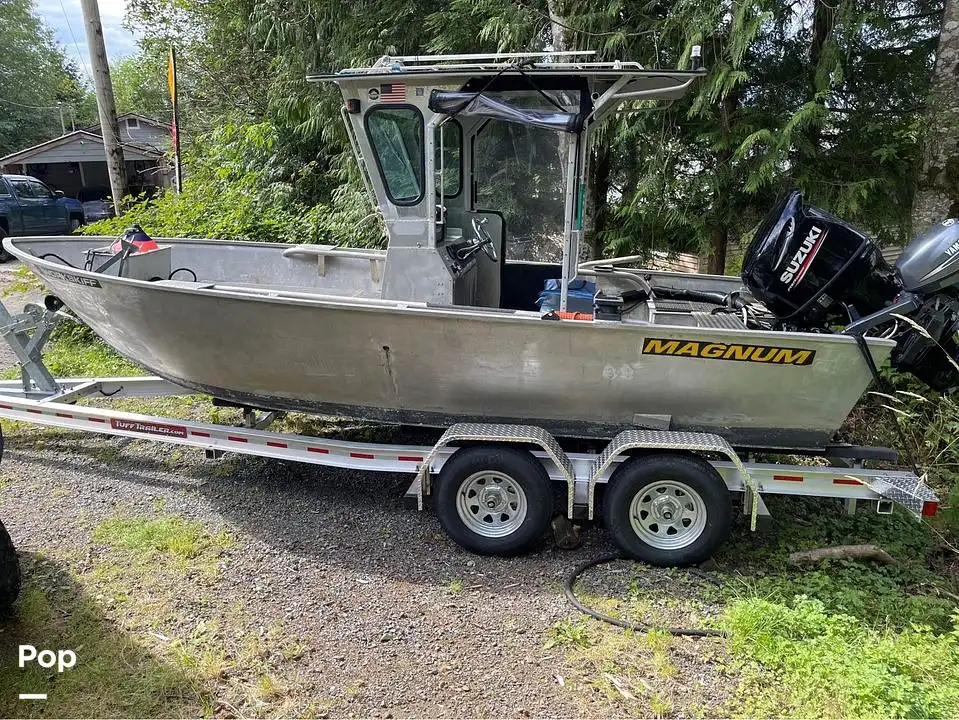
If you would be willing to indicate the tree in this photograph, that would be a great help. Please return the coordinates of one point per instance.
(140, 84)
(34, 77)
(937, 196)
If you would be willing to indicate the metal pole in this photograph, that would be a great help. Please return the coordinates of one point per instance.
(63, 125)
(109, 127)
(175, 97)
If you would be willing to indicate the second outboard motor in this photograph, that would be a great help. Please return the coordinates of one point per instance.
(929, 268)
(811, 269)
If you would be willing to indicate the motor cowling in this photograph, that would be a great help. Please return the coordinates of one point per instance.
(811, 269)
(931, 262)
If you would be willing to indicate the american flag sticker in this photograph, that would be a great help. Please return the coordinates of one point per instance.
(393, 92)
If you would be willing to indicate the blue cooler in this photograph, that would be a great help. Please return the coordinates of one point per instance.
(578, 299)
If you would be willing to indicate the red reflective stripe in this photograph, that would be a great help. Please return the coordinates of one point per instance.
(99, 420)
(236, 439)
(66, 415)
(362, 456)
(410, 458)
(324, 451)
(930, 508)
(276, 444)
(7, 407)
(845, 481)
(199, 433)
(788, 478)
(35, 411)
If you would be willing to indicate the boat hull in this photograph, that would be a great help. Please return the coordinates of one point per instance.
(412, 363)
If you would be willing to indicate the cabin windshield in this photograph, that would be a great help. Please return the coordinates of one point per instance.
(518, 171)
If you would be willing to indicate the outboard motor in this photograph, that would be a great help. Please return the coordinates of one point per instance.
(811, 269)
(929, 269)
(815, 272)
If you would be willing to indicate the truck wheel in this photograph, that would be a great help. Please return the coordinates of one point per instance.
(4, 255)
(75, 223)
(9, 571)
(668, 509)
(494, 500)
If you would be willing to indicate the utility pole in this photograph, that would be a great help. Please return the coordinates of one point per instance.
(109, 128)
(63, 125)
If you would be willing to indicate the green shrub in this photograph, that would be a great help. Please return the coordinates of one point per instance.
(237, 186)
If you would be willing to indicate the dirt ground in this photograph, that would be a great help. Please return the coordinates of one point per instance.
(285, 589)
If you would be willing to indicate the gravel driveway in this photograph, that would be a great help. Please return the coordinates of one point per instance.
(389, 616)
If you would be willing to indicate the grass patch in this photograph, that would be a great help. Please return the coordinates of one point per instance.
(168, 535)
(568, 632)
(75, 351)
(842, 639)
(643, 673)
(157, 630)
(869, 672)
(116, 674)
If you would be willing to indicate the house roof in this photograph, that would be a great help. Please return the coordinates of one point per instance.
(142, 118)
(70, 148)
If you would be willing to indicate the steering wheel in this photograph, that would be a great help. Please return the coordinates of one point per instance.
(483, 239)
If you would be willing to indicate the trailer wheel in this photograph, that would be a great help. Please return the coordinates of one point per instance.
(9, 571)
(668, 509)
(494, 500)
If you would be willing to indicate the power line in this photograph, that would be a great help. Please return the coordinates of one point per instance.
(83, 63)
(6, 101)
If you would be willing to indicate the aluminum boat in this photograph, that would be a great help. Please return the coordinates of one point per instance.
(480, 307)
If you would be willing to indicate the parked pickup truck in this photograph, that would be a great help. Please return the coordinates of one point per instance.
(28, 207)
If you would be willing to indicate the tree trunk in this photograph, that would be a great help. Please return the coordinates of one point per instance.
(597, 199)
(937, 189)
(719, 234)
(824, 19)
(556, 27)
(718, 239)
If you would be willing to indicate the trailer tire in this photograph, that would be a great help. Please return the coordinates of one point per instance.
(9, 571)
(668, 510)
(494, 500)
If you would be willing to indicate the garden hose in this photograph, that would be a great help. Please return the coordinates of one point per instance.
(642, 627)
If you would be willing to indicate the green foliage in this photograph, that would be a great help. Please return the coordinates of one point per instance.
(140, 84)
(923, 426)
(240, 188)
(74, 351)
(568, 632)
(35, 75)
(831, 665)
(919, 588)
(825, 96)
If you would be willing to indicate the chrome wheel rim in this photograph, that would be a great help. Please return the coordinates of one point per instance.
(491, 504)
(667, 515)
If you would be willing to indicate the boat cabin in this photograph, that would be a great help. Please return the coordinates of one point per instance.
(478, 165)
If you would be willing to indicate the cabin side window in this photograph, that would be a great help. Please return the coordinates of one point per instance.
(396, 134)
(451, 135)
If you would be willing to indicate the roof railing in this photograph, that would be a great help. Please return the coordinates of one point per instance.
(558, 60)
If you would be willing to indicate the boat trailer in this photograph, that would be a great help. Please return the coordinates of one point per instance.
(664, 495)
